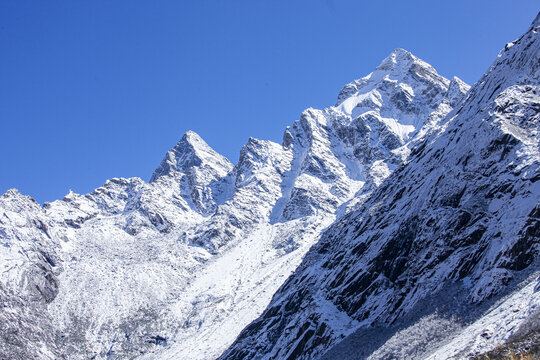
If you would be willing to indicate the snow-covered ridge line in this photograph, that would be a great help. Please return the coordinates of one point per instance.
(177, 266)
(442, 260)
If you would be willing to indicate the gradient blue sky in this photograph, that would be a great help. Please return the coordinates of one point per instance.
(91, 90)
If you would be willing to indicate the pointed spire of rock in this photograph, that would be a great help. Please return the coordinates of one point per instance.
(399, 58)
(197, 169)
(456, 90)
(191, 151)
(400, 67)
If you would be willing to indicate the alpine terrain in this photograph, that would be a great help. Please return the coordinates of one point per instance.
(442, 260)
(403, 222)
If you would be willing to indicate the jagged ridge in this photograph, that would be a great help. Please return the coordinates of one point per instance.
(177, 266)
(411, 273)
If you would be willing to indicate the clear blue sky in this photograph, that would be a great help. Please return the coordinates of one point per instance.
(91, 90)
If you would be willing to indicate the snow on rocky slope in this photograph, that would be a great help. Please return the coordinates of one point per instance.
(28, 260)
(176, 267)
(442, 261)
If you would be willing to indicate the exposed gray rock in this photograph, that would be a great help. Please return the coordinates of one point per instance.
(453, 235)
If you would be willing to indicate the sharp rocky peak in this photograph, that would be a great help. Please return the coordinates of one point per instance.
(399, 65)
(460, 220)
(402, 64)
(398, 96)
(191, 152)
(403, 87)
(13, 199)
(399, 59)
(457, 86)
(255, 220)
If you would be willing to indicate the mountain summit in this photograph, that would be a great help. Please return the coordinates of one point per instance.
(409, 205)
(194, 255)
(190, 152)
(442, 260)
(191, 257)
(196, 168)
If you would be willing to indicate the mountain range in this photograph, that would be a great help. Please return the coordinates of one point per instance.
(400, 223)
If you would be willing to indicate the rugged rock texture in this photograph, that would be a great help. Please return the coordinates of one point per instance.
(198, 169)
(434, 196)
(29, 281)
(526, 347)
(421, 268)
(176, 267)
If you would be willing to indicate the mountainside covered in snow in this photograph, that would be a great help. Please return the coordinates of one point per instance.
(177, 266)
(419, 195)
(442, 260)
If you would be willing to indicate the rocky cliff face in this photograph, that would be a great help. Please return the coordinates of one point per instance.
(29, 267)
(442, 260)
(433, 195)
(177, 266)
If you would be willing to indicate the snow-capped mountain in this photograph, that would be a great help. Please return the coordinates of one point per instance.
(442, 261)
(177, 266)
(416, 192)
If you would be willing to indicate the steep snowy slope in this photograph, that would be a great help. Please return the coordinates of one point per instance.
(176, 267)
(28, 264)
(443, 259)
(282, 198)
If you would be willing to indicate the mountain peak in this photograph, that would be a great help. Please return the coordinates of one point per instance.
(400, 67)
(460, 216)
(400, 94)
(191, 140)
(402, 52)
(13, 199)
(191, 151)
(402, 64)
(192, 136)
(398, 58)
